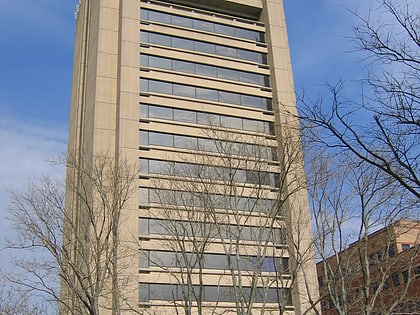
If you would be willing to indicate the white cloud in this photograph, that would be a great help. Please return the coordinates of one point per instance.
(24, 150)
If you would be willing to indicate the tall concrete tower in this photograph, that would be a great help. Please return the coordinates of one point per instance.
(198, 94)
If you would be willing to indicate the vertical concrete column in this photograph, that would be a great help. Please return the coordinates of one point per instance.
(287, 130)
(127, 139)
(106, 88)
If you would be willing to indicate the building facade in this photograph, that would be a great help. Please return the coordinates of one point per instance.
(381, 275)
(199, 94)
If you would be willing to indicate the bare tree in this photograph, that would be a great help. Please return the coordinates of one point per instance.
(226, 212)
(384, 127)
(358, 217)
(363, 165)
(73, 242)
(17, 300)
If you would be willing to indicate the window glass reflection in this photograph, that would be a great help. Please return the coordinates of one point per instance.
(182, 66)
(185, 115)
(198, 24)
(160, 139)
(210, 145)
(228, 74)
(183, 90)
(203, 25)
(204, 47)
(208, 119)
(160, 87)
(224, 29)
(228, 51)
(207, 94)
(195, 45)
(160, 112)
(161, 63)
(182, 43)
(159, 17)
(206, 70)
(202, 69)
(181, 21)
(228, 97)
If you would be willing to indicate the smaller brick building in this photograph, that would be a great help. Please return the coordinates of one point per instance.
(380, 273)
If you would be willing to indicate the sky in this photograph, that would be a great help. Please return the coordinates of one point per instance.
(36, 56)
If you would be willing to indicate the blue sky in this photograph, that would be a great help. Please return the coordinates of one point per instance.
(36, 55)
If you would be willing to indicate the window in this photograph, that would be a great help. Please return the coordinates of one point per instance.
(206, 70)
(401, 307)
(144, 137)
(207, 94)
(375, 287)
(417, 271)
(203, 25)
(144, 197)
(183, 142)
(321, 281)
(405, 246)
(164, 292)
(391, 250)
(198, 24)
(181, 21)
(185, 115)
(233, 52)
(406, 276)
(202, 69)
(230, 98)
(204, 171)
(160, 112)
(371, 259)
(218, 202)
(228, 74)
(251, 78)
(155, 86)
(143, 226)
(200, 46)
(386, 284)
(160, 87)
(144, 85)
(182, 43)
(410, 307)
(252, 101)
(395, 279)
(159, 17)
(183, 66)
(248, 34)
(144, 259)
(161, 139)
(204, 144)
(159, 39)
(224, 29)
(183, 90)
(356, 293)
(205, 47)
(144, 60)
(173, 292)
(144, 292)
(254, 125)
(208, 119)
(231, 122)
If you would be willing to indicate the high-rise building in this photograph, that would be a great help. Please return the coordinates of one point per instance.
(199, 94)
